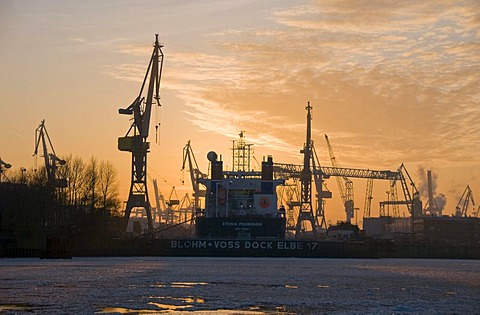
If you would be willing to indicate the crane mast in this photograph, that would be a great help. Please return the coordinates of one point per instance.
(306, 208)
(135, 141)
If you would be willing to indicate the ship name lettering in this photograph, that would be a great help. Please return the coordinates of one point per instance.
(250, 223)
(290, 245)
(258, 245)
(188, 244)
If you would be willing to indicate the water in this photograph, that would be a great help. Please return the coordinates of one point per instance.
(239, 286)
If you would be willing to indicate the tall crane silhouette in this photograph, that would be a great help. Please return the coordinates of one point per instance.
(52, 161)
(306, 207)
(345, 186)
(135, 141)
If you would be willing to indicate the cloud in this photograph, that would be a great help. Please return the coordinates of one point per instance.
(77, 39)
(398, 80)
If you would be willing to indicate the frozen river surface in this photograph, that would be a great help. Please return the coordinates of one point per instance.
(239, 286)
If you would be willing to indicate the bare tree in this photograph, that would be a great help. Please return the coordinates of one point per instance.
(108, 187)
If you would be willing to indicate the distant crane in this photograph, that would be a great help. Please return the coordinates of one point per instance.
(161, 206)
(195, 174)
(368, 198)
(135, 140)
(345, 186)
(463, 203)
(52, 161)
(3, 166)
(173, 204)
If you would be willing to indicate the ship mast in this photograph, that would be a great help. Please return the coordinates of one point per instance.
(241, 153)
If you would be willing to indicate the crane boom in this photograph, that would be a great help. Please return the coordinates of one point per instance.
(340, 182)
(462, 206)
(345, 186)
(142, 114)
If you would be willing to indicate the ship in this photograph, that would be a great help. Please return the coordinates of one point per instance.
(240, 216)
(241, 203)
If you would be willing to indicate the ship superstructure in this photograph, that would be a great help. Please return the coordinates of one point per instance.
(241, 203)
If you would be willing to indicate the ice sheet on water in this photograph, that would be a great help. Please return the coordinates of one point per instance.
(239, 286)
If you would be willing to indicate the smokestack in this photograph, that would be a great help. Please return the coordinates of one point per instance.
(430, 189)
(432, 204)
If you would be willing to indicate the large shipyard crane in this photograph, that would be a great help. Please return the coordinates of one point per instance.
(135, 140)
(463, 203)
(195, 174)
(345, 186)
(306, 208)
(412, 199)
(52, 161)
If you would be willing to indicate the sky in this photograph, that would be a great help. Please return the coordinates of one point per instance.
(390, 82)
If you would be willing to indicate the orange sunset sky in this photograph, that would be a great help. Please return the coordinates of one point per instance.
(390, 82)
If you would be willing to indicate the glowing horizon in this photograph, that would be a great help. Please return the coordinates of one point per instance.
(390, 83)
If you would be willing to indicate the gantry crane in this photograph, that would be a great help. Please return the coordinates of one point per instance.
(52, 161)
(463, 203)
(135, 140)
(3, 166)
(411, 200)
(345, 186)
(195, 174)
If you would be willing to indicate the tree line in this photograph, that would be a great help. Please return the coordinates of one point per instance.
(87, 205)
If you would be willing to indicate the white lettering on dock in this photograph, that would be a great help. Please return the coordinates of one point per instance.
(242, 244)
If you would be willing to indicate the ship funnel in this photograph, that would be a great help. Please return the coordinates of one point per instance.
(216, 167)
(267, 169)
